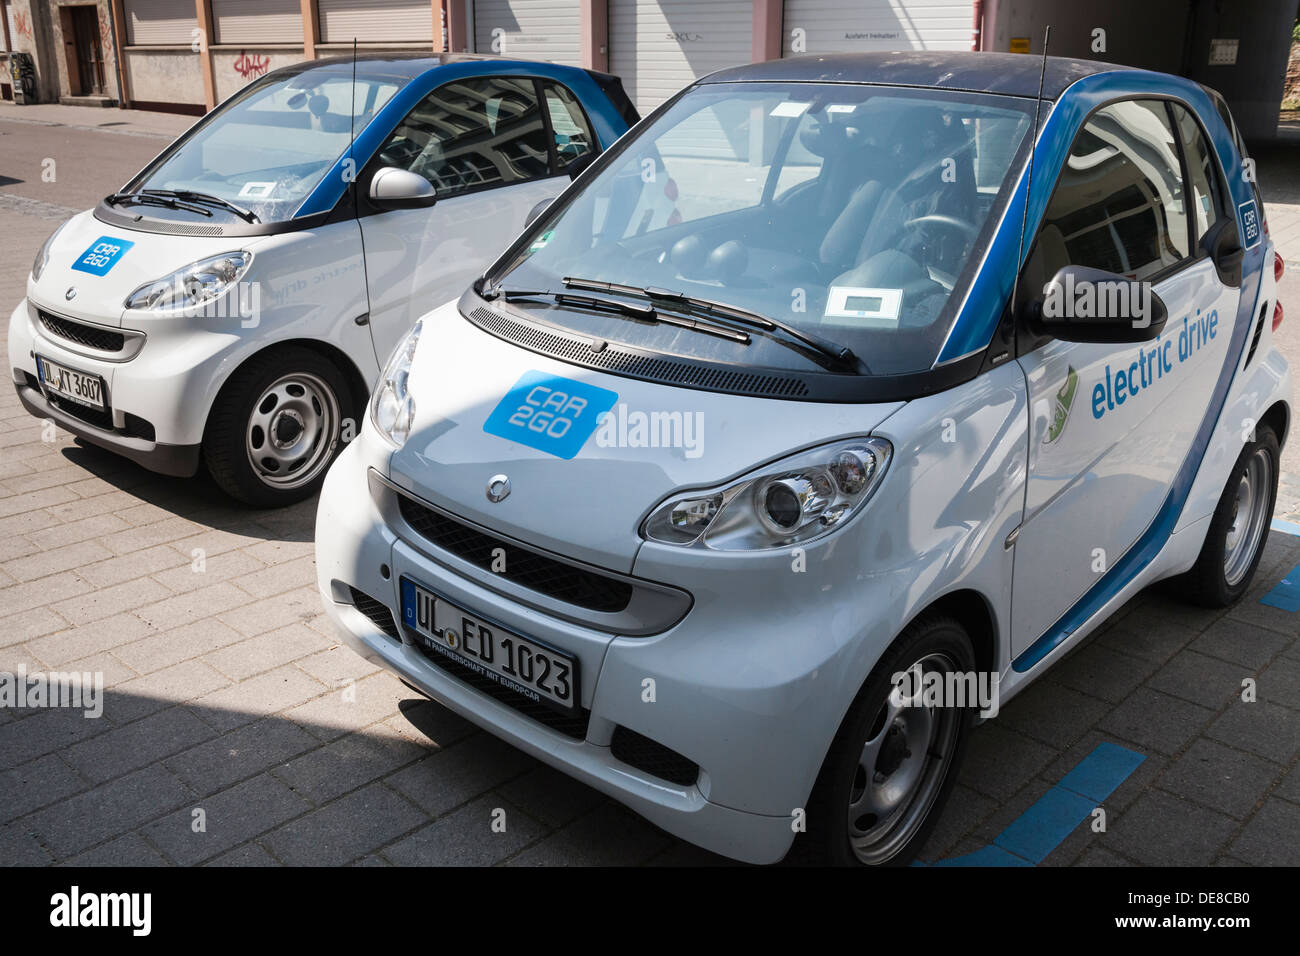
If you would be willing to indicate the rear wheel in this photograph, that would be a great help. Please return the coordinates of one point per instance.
(1238, 531)
(892, 763)
(277, 426)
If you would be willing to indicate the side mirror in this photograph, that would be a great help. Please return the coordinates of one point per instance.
(536, 212)
(393, 188)
(1223, 244)
(1092, 305)
(576, 168)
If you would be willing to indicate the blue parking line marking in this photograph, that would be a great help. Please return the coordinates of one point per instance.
(1286, 594)
(1038, 831)
(1286, 527)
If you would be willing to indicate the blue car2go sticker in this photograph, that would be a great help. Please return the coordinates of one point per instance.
(102, 255)
(552, 414)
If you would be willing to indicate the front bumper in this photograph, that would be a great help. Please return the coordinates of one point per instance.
(158, 386)
(180, 461)
(357, 549)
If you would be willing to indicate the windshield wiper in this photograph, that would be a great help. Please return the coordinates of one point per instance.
(645, 313)
(149, 199)
(189, 195)
(832, 355)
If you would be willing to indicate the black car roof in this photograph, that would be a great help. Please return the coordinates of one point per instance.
(1011, 74)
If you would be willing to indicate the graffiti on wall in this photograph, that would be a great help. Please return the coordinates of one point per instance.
(251, 67)
(23, 24)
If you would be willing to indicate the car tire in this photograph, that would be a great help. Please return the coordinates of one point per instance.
(838, 832)
(1238, 532)
(276, 427)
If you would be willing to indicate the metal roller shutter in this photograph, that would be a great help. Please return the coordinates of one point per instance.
(859, 26)
(659, 46)
(529, 29)
(160, 22)
(257, 21)
(377, 21)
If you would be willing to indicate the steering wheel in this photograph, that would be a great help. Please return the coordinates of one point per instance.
(965, 229)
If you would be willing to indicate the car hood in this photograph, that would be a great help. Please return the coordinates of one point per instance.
(100, 297)
(582, 497)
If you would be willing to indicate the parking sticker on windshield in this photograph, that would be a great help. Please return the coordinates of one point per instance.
(552, 414)
(789, 108)
(256, 190)
(102, 255)
(873, 308)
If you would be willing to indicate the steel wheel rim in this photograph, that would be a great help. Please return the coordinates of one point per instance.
(1249, 517)
(901, 769)
(292, 431)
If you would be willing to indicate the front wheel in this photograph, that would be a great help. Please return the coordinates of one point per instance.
(276, 427)
(894, 760)
(1238, 531)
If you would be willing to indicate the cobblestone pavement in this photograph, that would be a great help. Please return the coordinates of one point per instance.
(228, 693)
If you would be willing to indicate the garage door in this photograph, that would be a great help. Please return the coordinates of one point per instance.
(659, 46)
(856, 26)
(529, 29)
(377, 21)
(170, 22)
(257, 21)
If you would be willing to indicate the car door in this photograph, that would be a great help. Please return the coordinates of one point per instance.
(490, 151)
(1111, 425)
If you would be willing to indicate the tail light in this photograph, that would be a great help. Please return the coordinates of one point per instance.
(1278, 267)
(1277, 316)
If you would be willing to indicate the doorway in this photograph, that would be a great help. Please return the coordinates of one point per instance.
(84, 49)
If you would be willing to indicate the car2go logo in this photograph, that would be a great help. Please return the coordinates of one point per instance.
(102, 255)
(552, 414)
(1250, 224)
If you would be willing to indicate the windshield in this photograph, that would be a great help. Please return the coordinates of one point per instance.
(268, 148)
(850, 212)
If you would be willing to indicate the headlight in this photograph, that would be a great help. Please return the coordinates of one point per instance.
(792, 501)
(43, 255)
(197, 283)
(393, 409)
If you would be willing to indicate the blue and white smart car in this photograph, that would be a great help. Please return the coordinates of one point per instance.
(776, 406)
(230, 302)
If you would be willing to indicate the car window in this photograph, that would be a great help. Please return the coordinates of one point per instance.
(1204, 186)
(1118, 203)
(573, 136)
(472, 134)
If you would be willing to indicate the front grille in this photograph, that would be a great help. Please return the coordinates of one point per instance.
(571, 725)
(557, 579)
(91, 416)
(379, 614)
(89, 336)
(653, 757)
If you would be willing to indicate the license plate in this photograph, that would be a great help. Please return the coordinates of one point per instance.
(540, 673)
(70, 384)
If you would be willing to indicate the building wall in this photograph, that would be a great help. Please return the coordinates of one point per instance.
(236, 68)
(62, 50)
(164, 75)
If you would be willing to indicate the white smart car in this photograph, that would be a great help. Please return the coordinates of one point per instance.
(764, 415)
(228, 304)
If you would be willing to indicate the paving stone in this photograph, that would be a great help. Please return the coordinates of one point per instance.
(1240, 643)
(20, 847)
(349, 763)
(137, 744)
(165, 648)
(257, 697)
(1199, 679)
(1000, 761)
(1269, 839)
(1161, 830)
(481, 833)
(1263, 728)
(610, 836)
(250, 854)
(108, 810)
(36, 784)
(351, 707)
(458, 774)
(1221, 778)
(170, 685)
(239, 754)
(1156, 722)
(128, 850)
(556, 799)
(78, 642)
(1056, 715)
(265, 652)
(230, 817)
(344, 830)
